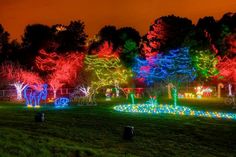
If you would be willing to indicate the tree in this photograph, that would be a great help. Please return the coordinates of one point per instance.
(105, 72)
(19, 78)
(70, 38)
(36, 37)
(129, 52)
(4, 43)
(166, 33)
(227, 70)
(230, 45)
(60, 69)
(173, 67)
(108, 33)
(106, 51)
(155, 37)
(209, 29)
(205, 63)
(128, 33)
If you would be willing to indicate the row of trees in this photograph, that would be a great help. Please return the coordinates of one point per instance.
(166, 33)
(173, 51)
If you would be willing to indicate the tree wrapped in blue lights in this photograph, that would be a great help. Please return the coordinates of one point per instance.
(173, 67)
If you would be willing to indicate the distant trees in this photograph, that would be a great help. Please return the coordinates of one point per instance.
(167, 32)
(206, 41)
(71, 37)
(4, 43)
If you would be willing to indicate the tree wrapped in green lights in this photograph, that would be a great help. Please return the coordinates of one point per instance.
(205, 63)
(106, 72)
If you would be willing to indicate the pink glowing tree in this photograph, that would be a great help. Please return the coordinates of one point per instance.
(62, 69)
(19, 78)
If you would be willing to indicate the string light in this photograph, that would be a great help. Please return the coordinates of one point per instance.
(205, 63)
(35, 95)
(172, 109)
(61, 102)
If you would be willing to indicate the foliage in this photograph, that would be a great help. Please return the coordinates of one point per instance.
(61, 69)
(227, 70)
(4, 43)
(166, 33)
(107, 71)
(205, 63)
(173, 67)
(71, 37)
(130, 51)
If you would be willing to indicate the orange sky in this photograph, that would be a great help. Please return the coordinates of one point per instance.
(16, 14)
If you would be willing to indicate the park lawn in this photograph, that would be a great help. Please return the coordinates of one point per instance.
(97, 131)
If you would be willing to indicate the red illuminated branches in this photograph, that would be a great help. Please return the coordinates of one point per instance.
(227, 69)
(154, 38)
(19, 78)
(106, 51)
(63, 69)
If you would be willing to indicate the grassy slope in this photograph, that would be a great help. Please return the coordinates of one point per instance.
(97, 131)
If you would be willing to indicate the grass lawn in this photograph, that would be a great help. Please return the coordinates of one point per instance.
(97, 131)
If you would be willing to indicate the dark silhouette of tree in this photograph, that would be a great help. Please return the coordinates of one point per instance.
(14, 51)
(128, 33)
(4, 43)
(108, 33)
(71, 37)
(227, 26)
(36, 37)
(167, 32)
(229, 20)
(129, 52)
(208, 31)
(230, 45)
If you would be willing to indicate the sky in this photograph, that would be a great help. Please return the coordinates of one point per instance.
(16, 14)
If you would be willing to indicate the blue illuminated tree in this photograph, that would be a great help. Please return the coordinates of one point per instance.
(173, 67)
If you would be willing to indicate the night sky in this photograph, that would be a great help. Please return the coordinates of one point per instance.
(16, 14)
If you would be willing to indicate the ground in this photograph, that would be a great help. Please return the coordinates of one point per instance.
(97, 131)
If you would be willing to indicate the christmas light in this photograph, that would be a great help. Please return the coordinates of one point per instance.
(205, 63)
(34, 95)
(62, 69)
(108, 71)
(174, 67)
(61, 102)
(19, 78)
(172, 109)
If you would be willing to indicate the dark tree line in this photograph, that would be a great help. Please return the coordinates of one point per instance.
(166, 33)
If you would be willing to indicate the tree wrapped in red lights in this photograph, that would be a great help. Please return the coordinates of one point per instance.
(62, 69)
(154, 38)
(227, 69)
(19, 78)
(106, 51)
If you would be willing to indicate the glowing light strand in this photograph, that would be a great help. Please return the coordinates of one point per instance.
(61, 102)
(172, 109)
(35, 95)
